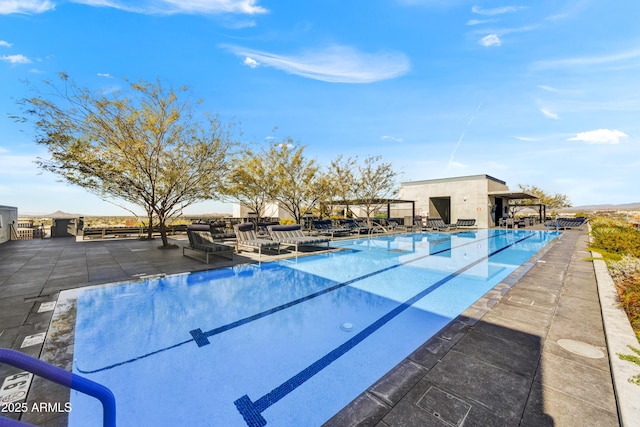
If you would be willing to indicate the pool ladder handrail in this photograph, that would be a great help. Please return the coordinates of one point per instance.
(62, 377)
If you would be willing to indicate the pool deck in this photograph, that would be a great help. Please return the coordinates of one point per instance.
(531, 352)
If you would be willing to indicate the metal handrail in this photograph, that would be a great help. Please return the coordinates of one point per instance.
(67, 379)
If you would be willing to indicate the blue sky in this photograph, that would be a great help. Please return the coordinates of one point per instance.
(542, 92)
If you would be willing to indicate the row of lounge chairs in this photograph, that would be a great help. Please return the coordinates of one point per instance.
(565, 223)
(206, 240)
(439, 224)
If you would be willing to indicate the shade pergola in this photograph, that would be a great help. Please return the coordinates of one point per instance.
(378, 202)
(521, 195)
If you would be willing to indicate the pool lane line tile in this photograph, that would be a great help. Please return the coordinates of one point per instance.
(252, 411)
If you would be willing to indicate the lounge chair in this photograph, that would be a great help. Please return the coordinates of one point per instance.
(325, 227)
(246, 237)
(355, 226)
(464, 223)
(201, 240)
(437, 224)
(292, 235)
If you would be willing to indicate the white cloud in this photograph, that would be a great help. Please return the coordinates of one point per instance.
(105, 75)
(390, 138)
(587, 61)
(480, 21)
(548, 88)
(250, 62)
(549, 114)
(5, 43)
(336, 64)
(25, 6)
(599, 136)
(526, 138)
(15, 59)
(495, 11)
(169, 7)
(490, 40)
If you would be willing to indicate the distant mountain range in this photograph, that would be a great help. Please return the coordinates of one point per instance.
(622, 207)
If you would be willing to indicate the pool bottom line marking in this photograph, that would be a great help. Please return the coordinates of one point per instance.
(202, 338)
(252, 411)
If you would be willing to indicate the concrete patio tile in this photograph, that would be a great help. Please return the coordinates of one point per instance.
(577, 380)
(429, 353)
(364, 411)
(548, 407)
(536, 300)
(501, 352)
(473, 380)
(395, 384)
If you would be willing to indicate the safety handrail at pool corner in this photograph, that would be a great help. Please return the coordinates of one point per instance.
(62, 377)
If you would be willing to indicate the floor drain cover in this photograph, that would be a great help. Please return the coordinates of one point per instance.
(581, 348)
(447, 408)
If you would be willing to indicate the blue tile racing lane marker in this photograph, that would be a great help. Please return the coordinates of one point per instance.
(252, 411)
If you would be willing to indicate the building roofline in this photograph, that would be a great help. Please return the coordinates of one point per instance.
(453, 179)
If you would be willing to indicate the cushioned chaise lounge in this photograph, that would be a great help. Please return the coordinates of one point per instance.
(201, 240)
(437, 224)
(246, 237)
(292, 235)
(464, 223)
(325, 227)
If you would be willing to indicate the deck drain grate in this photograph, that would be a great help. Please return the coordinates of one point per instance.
(442, 405)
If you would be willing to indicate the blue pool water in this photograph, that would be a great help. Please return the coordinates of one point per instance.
(285, 343)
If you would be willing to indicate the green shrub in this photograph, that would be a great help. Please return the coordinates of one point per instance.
(615, 237)
(619, 244)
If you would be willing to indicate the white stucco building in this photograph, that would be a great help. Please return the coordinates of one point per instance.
(480, 197)
(8, 218)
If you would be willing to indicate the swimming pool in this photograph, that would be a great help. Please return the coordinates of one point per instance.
(285, 343)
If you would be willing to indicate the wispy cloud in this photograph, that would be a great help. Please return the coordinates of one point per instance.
(390, 138)
(335, 64)
(5, 43)
(490, 40)
(480, 21)
(15, 59)
(549, 114)
(548, 88)
(600, 136)
(526, 138)
(587, 61)
(105, 75)
(169, 7)
(495, 11)
(25, 6)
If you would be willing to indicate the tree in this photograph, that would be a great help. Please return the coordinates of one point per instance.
(297, 184)
(144, 147)
(555, 201)
(341, 181)
(252, 182)
(375, 184)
